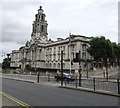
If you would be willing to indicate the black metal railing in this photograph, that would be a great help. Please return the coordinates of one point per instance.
(95, 84)
(112, 85)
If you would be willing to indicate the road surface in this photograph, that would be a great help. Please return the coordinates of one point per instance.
(100, 83)
(46, 95)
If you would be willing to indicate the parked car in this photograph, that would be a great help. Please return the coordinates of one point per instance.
(15, 72)
(66, 76)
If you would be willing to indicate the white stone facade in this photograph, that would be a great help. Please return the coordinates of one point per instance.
(42, 53)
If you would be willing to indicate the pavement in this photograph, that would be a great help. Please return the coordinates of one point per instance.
(110, 74)
(68, 87)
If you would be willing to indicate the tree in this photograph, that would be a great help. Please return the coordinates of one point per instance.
(119, 56)
(101, 48)
(28, 67)
(6, 63)
(116, 54)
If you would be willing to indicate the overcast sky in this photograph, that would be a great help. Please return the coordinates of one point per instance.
(81, 17)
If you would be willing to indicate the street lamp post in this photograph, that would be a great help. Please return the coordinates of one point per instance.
(35, 56)
(36, 63)
(70, 51)
(62, 67)
(79, 69)
(106, 63)
(87, 67)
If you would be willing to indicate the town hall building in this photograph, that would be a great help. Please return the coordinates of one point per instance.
(43, 53)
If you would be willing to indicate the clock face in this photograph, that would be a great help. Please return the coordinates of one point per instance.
(40, 38)
(43, 38)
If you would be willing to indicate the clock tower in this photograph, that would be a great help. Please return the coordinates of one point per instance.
(39, 30)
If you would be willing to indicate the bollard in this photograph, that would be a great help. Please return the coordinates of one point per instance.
(57, 79)
(38, 77)
(118, 86)
(80, 80)
(68, 81)
(76, 81)
(48, 77)
(65, 82)
(62, 80)
(94, 83)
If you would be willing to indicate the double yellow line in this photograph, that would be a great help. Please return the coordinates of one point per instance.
(16, 100)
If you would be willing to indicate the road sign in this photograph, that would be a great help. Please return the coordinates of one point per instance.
(76, 73)
(82, 66)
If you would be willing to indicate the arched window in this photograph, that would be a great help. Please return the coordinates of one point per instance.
(58, 65)
(42, 28)
(42, 18)
(50, 65)
(83, 55)
(54, 65)
(46, 65)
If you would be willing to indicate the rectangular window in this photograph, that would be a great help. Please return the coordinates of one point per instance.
(54, 57)
(63, 55)
(64, 48)
(72, 55)
(68, 52)
(58, 56)
(72, 48)
(54, 50)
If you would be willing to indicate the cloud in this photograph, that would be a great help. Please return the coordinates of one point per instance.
(17, 23)
(119, 22)
(81, 17)
(14, 1)
(7, 47)
(91, 19)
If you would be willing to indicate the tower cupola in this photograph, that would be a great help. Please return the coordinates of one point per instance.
(39, 31)
(40, 10)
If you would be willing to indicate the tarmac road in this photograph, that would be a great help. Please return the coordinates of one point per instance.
(87, 83)
(35, 94)
(8, 102)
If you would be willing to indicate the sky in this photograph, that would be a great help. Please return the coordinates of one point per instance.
(80, 17)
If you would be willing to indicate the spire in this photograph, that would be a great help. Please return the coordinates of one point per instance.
(40, 9)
